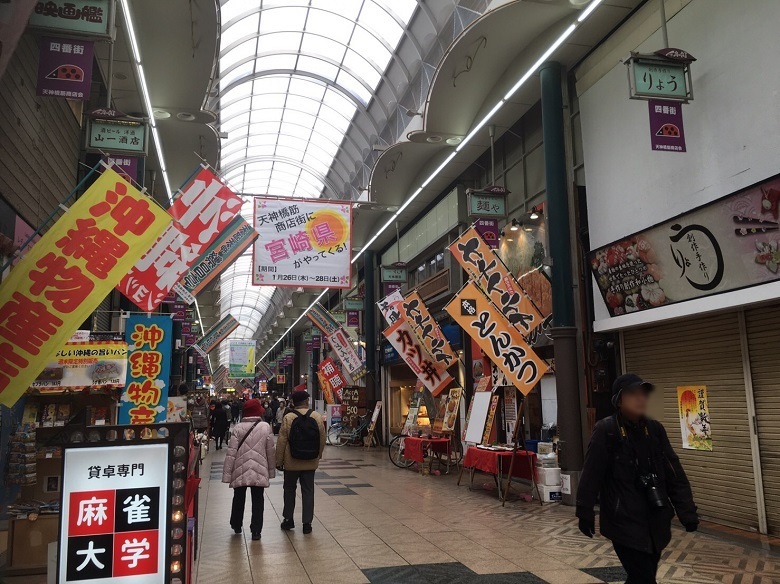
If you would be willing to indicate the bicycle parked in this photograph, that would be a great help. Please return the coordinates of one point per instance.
(340, 435)
(396, 452)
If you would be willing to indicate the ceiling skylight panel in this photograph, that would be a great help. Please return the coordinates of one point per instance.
(330, 25)
(239, 29)
(358, 66)
(241, 51)
(379, 22)
(315, 44)
(283, 19)
(281, 42)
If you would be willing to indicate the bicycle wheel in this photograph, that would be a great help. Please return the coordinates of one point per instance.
(338, 436)
(396, 453)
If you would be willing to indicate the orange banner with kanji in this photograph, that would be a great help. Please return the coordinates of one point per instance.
(499, 340)
(68, 273)
(427, 330)
(487, 270)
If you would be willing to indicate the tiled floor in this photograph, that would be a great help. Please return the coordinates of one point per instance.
(377, 523)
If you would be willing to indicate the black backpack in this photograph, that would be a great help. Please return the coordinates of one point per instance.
(304, 436)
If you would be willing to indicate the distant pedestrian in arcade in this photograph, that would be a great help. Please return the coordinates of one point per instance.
(219, 424)
(635, 475)
(298, 451)
(249, 464)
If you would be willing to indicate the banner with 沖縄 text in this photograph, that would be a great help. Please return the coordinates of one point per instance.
(241, 358)
(149, 342)
(498, 339)
(489, 273)
(201, 211)
(302, 243)
(68, 273)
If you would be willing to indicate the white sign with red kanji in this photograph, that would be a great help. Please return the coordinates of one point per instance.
(113, 523)
(302, 243)
(204, 207)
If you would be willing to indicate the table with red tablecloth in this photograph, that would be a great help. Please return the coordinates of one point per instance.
(415, 448)
(497, 463)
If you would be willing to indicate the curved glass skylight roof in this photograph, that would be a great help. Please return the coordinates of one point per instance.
(293, 77)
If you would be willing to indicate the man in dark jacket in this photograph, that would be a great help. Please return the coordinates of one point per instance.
(635, 475)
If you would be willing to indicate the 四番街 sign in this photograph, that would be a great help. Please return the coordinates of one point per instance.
(722, 246)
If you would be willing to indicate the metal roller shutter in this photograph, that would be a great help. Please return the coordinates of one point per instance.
(703, 351)
(763, 328)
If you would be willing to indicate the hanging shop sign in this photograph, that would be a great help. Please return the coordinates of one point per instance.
(394, 275)
(487, 270)
(725, 245)
(127, 166)
(486, 205)
(427, 330)
(432, 375)
(85, 365)
(179, 311)
(694, 415)
(217, 333)
(149, 340)
(500, 341)
(281, 379)
(302, 243)
(353, 304)
(353, 318)
(655, 76)
(264, 370)
(65, 68)
(117, 137)
(323, 319)
(488, 231)
(66, 275)
(241, 360)
(91, 18)
(390, 287)
(667, 132)
(203, 209)
(390, 307)
(335, 380)
(316, 342)
(345, 351)
(226, 248)
(451, 409)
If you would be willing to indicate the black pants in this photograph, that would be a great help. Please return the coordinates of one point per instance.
(218, 439)
(640, 566)
(306, 478)
(239, 502)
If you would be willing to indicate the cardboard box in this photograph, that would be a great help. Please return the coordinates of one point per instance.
(548, 476)
(549, 493)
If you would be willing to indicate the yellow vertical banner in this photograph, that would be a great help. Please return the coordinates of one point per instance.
(500, 341)
(68, 273)
(694, 415)
(427, 330)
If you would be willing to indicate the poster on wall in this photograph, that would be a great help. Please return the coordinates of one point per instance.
(725, 245)
(302, 243)
(500, 341)
(241, 360)
(694, 415)
(451, 409)
(490, 274)
(83, 365)
(145, 398)
(65, 68)
(68, 273)
(201, 211)
(114, 523)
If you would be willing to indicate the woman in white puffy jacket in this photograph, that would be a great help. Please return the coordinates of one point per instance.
(249, 463)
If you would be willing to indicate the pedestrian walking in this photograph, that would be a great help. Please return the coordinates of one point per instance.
(298, 451)
(249, 465)
(219, 424)
(634, 473)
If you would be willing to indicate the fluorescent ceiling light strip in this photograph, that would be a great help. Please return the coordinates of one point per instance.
(541, 60)
(131, 31)
(292, 326)
(591, 7)
(554, 47)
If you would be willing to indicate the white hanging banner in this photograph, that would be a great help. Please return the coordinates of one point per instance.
(302, 243)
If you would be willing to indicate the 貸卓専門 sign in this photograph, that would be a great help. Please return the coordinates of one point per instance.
(725, 245)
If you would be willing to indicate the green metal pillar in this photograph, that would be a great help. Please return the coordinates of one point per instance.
(369, 320)
(564, 331)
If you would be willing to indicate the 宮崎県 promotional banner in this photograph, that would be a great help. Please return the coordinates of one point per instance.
(500, 341)
(488, 272)
(302, 243)
(725, 245)
(230, 243)
(68, 273)
(216, 334)
(149, 341)
(202, 210)
(241, 359)
(85, 365)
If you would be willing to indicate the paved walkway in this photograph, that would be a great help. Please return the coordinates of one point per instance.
(377, 523)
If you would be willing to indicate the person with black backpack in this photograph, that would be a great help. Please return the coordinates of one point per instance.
(634, 474)
(298, 451)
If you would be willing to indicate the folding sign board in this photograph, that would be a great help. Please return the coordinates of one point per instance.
(500, 341)
(487, 270)
(302, 243)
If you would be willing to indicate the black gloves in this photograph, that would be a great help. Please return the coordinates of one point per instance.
(588, 527)
(691, 527)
